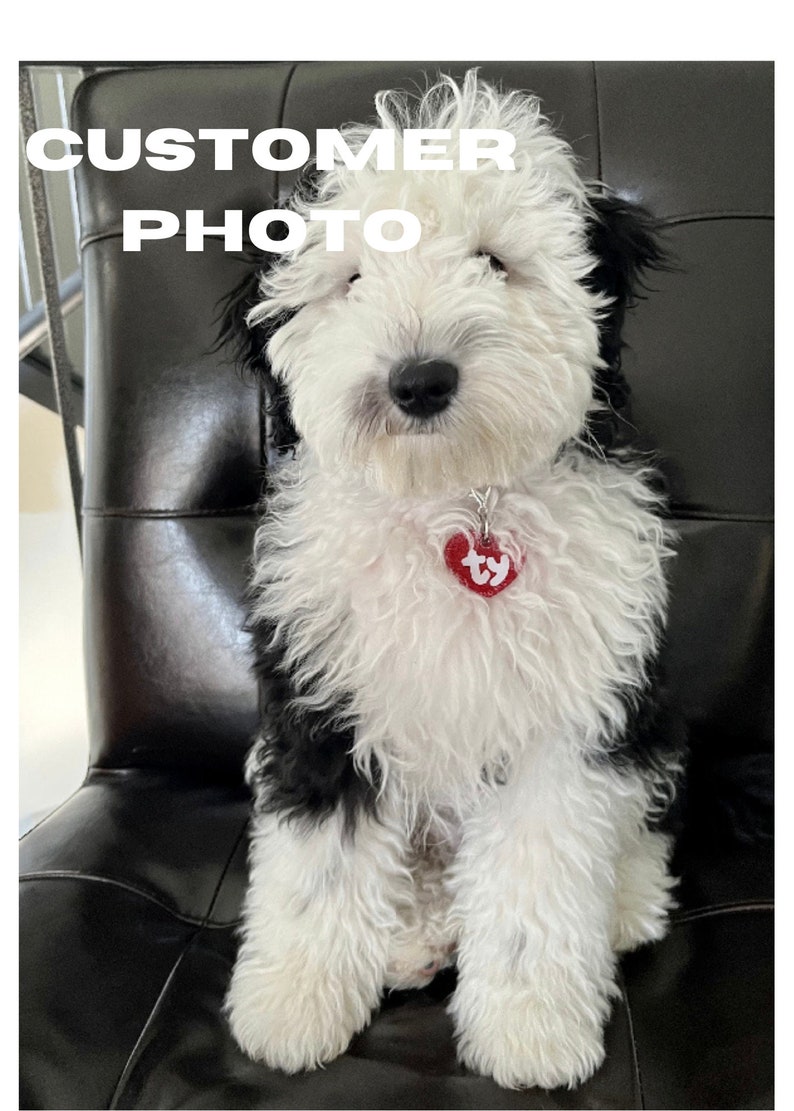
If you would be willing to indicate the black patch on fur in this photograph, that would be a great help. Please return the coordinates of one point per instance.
(625, 239)
(301, 765)
(654, 741)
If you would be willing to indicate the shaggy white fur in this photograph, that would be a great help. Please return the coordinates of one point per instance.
(502, 829)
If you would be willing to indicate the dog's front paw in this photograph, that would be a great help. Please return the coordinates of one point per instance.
(294, 1019)
(525, 1038)
(415, 966)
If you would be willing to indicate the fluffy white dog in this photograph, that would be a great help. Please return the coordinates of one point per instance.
(459, 586)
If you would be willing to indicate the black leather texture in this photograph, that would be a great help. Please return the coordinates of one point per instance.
(131, 891)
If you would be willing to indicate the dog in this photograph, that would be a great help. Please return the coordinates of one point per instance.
(459, 587)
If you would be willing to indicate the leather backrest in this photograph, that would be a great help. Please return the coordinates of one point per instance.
(174, 434)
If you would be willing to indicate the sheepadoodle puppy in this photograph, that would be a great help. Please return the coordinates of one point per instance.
(458, 594)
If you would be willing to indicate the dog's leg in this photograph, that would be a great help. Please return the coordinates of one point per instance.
(317, 921)
(643, 896)
(535, 882)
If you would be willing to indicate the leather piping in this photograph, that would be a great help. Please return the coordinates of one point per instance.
(677, 513)
(233, 511)
(683, 917)
(133, 889)
(635, 1059)
(138, 1047)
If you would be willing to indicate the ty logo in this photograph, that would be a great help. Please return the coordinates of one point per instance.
(494, 573)
(479, 565)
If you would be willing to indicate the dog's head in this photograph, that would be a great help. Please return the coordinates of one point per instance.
(476, 354)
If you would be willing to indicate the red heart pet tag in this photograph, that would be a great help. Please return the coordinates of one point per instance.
(479, 564)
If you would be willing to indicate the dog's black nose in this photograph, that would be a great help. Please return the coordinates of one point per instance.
(423, 388)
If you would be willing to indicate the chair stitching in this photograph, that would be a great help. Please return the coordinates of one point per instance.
(677, 512)
(135, 511)
(635, 1060)
(133, 889)
(135, 1053)
(681, 512)
(717, 909)
(117, 1091)
(715, 214)
(598, 120)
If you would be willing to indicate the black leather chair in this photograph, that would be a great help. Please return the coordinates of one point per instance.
(132, 888)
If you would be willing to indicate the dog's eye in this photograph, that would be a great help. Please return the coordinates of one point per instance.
(495, 263)
(353, 278)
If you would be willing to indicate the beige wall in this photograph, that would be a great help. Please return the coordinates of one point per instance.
(53, 731)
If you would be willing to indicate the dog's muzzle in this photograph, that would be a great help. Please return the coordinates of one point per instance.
(423, 388)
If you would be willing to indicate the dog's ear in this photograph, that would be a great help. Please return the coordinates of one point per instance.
(248, 345)
(626, 243)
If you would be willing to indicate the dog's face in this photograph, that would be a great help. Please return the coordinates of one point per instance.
(468, 358)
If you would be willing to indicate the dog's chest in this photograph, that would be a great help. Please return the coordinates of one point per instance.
(443, 679)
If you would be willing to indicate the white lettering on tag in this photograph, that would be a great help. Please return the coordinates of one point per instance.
(499, 569)
(474, 563)
(496, 572)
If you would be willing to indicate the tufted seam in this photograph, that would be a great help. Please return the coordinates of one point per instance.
(714, 214)
(137, 1048)
(135, 511)
(683, 917)
(677, 512)
(157, 1003)
(133, 889)
(598, 120)
(635, 1060)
